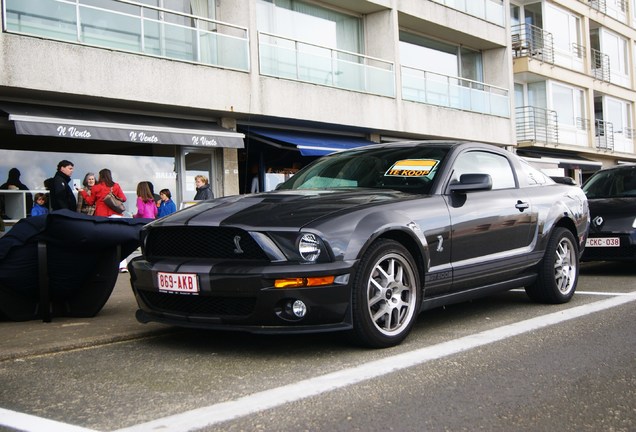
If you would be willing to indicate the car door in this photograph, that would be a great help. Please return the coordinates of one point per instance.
(491, 229)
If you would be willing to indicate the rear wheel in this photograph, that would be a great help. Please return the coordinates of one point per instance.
(559, 270)
(386, 295)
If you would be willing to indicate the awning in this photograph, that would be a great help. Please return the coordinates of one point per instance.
(109, 126)
(561, 160)
(311, 144)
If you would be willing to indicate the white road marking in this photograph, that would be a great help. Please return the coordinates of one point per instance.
(26, 422)
(251, 404)
(601, 293)
(225, 411)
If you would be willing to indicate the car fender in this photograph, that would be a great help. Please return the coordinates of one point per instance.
(391, 224)
(572, 207)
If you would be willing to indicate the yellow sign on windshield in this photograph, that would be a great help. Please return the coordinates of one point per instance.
(411, 168)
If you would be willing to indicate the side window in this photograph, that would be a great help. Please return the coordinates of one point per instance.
(534, 177)
(481, 162)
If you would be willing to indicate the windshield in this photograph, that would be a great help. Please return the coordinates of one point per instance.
(612, 183)
(408, 169)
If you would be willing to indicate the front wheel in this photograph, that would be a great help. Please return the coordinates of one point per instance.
(559, 270)
(386, 295)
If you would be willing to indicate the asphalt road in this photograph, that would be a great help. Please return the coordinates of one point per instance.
(497, 364)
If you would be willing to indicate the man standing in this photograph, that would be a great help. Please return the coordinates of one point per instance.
(62, 194)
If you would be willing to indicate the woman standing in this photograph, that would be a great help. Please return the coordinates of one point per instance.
(204, 192)
(146, 206)
(82, 206)
(102, 188)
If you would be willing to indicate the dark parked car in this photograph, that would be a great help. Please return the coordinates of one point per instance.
(611, 194)
(362, 241)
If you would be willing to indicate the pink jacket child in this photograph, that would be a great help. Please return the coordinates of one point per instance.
(146, 206)
(146, 209)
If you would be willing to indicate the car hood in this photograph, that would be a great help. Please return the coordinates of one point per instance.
(613, 206)
(612, 214)
(280, 209)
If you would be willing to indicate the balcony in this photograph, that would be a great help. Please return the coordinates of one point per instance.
(616, 9)
(487, 10)
(292, 59)
(531, 41)
(537, 125)
(128, 26)
(454, 92)
(604, 132)
(601, 66)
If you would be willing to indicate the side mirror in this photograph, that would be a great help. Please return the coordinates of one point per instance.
(471, 182)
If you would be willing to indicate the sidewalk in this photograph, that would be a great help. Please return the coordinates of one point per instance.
(115, 322)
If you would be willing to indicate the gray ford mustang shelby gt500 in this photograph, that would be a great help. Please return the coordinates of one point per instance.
(362, 241)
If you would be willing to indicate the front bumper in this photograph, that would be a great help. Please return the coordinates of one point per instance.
(241, 296)
(625, 252)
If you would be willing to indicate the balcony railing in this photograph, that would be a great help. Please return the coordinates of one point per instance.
(129, 26)
(600, 66)
(578, 50)
(488, 10)
(454, 92)
(538, 125)
(302, 61)
(532, 41)
(604, 132)
(599, 5)
(583, 124)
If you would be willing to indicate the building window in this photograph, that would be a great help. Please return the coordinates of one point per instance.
(566, 30)
(537, 95)
(306, 22)
(420, 52)
(127, 170)
(568, 103)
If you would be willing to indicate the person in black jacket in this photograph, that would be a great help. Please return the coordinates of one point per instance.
(204, 191)
(62, 194)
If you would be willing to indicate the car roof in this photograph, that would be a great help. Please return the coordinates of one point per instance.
(619, 167)
(427, 143)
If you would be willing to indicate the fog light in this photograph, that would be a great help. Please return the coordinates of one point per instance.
(299, 308)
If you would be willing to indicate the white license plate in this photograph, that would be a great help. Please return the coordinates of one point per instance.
(603, 242)
(178, 282)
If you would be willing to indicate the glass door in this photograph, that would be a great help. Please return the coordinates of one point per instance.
(196, 162)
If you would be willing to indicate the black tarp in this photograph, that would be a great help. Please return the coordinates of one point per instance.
(73, 256)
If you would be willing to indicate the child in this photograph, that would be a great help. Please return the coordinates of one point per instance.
(39, 205)
(167, 206)
(146, 206)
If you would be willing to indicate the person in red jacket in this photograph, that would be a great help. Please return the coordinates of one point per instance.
(103, 186)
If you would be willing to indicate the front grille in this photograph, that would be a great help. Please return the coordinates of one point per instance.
(199, 305)
(201, 242)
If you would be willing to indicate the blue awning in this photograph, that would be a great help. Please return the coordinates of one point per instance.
(311, 144)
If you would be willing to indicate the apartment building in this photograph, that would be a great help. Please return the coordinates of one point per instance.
(163, 90)
(575, 81)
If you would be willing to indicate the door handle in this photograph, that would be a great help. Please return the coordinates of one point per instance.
(521, 206)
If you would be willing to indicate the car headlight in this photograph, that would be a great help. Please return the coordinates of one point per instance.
(309, 247)
(303, 247)
(634, 223)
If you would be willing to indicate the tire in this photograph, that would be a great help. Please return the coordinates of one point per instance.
(386, 295)
(558, 271)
